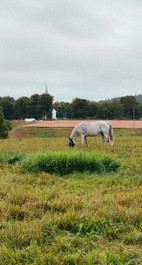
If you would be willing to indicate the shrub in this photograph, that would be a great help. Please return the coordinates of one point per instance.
(5, 125)
(63, 163)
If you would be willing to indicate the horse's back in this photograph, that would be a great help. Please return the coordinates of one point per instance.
(92, 128)
(82, 127)
(102, 124)
(88, 128)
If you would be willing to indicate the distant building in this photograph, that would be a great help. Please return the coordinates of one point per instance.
(54, 114)
(29, 119)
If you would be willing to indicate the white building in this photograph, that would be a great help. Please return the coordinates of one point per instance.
(54, 114)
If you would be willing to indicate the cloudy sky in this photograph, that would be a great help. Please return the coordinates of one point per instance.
(89, 49)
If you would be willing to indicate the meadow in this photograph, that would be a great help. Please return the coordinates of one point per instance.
(75, 216)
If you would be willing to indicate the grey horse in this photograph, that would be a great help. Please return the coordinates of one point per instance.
(85, 129)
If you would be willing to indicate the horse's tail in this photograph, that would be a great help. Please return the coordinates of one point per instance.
(111, 135)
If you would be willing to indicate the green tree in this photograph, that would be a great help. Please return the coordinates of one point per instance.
(7, 104)
(92, 109)
(129, 104)
(21, 108)
(116, 110)
(5, 125)
(45, 106)
(104, 110)
(80, 108)
(33, 106)
(63, 110)
(139, 110)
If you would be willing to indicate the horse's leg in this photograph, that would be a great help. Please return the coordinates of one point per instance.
(106, 139)
(82, 140)
(86, 140)
(103, 139)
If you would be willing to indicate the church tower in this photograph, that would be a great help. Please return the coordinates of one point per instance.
(46, 89)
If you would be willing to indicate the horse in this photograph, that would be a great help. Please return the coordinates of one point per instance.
(85, 129)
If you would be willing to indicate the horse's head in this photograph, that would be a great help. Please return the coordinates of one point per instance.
(71, 142)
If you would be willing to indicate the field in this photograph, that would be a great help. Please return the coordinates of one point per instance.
(123, 124)
(78, 217)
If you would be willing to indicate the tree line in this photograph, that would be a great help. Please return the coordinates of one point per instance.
(41, 106)
(117, 108)
(37, 106)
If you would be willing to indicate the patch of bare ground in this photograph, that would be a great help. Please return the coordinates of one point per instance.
(18, 130)
(22, 129)
(122, 124)
(21, 132)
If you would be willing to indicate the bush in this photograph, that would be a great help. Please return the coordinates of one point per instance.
(63, 163)
(5, 126)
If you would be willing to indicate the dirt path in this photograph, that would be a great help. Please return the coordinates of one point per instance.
(123, 124)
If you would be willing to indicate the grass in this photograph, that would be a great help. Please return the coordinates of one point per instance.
(79, 217)
(61, 163)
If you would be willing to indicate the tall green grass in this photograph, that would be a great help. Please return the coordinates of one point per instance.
(62, 163)
(11, 157)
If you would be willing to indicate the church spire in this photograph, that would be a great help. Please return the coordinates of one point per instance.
(46, 89)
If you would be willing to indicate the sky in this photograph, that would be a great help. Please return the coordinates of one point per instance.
(90, 49)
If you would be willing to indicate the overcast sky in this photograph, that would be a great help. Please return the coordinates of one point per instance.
(90, 49)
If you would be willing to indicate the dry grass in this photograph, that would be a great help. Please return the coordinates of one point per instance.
(78, 218)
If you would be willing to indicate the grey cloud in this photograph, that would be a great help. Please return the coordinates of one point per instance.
(78, 46)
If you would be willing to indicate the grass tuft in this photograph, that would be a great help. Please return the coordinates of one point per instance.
(11, 157)
(64, 163)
